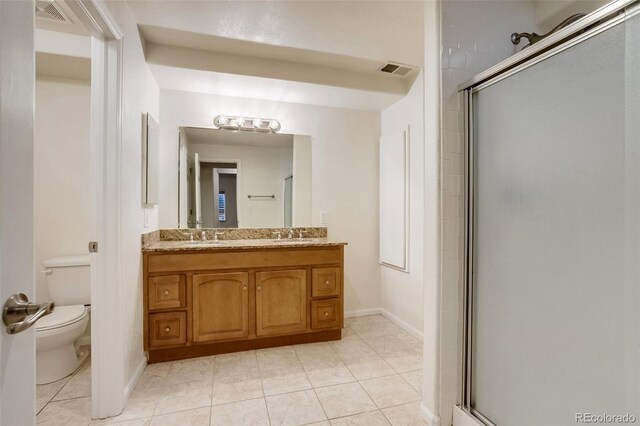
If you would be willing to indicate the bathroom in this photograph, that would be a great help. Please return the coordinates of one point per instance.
(364, 290)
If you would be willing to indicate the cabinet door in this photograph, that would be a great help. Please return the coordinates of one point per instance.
(281, 302)
(220, 306)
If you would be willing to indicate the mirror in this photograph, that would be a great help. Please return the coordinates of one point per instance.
(232, 179)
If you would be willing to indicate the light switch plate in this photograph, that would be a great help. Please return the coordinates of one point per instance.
(146, 219)
(324, 218)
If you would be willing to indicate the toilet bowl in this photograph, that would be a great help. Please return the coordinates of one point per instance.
(57, 349)
(58, 334)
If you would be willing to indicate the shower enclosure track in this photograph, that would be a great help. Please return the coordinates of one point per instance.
(605, 13)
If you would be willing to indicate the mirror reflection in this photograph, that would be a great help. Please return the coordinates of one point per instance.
(231, 179)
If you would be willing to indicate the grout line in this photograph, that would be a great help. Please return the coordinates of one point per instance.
(354, 414)
(372, 400)
(264, 395)
(312, 388)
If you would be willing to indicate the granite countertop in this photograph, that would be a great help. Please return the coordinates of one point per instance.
(182, 245)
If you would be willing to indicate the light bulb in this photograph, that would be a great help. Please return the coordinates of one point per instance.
(274, 125)
(257, 123)
(240, 121)
(221, 121)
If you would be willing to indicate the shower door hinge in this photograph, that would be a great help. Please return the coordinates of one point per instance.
(93, 246)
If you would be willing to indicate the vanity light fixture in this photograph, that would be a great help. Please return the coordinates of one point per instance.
(250, 124)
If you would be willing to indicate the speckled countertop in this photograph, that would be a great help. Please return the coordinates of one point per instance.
(182, 245)
(234, 239)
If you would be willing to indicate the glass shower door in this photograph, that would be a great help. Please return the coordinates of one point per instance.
(555, 317)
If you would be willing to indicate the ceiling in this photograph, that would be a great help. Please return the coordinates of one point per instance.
(313, 52)
(71, 24)
(378, 30)
(206, 136)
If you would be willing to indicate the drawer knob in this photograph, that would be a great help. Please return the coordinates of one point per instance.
(167, 330)
(326, 314)
(166, 292)
(327, 282)
(258, 288)
(244, 288)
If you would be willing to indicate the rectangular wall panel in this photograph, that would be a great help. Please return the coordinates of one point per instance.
(394, 208)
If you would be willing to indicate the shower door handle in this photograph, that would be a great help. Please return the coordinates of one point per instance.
(19, 314)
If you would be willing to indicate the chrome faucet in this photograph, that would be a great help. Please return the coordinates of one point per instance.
(188, 234)
(278, 234)
(301, 233)
(203, 235)
(216, 234)
(290, 234)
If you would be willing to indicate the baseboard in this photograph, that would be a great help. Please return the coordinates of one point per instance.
(428, 416)
(402, 324)
(461, 418)
(362, 312)
(134, 379)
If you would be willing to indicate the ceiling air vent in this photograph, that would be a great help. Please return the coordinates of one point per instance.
(50, 11)
(396, 69)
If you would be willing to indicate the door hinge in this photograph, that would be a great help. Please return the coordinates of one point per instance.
(93, 246)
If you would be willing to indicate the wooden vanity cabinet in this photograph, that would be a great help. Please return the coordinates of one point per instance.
(205, 302)
(220, 306)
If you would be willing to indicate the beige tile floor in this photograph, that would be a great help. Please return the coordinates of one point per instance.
(373, 376)
(73, 387)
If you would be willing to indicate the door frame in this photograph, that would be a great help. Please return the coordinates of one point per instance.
(216, 190)
(238, 180)
(108, 392)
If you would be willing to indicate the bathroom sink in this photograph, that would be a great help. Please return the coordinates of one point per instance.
(201, 243)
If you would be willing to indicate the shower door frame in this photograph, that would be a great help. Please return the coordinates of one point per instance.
(593, 24)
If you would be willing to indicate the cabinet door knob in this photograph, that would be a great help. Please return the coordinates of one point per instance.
(258, 288)
(326, 314)
(166, 292)
(167, 330)
(327, 282)
(244, 288)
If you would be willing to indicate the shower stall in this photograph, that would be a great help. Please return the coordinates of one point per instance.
(552, 293)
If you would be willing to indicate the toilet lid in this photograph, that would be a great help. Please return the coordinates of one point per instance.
(61, 316)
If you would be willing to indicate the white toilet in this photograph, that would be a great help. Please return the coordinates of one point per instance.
(58, 334)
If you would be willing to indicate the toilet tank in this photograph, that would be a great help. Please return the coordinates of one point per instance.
(68, 280)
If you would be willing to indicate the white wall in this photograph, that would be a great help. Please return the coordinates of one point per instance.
(475, 36)
(61, 172)
(140, 94)
(301, 188)
(344, 175)
(401, 292)
(551, 13)
(262, 171)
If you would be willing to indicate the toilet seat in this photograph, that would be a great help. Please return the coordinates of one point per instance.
(62, 316)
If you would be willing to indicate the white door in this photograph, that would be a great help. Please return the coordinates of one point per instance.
(196, 160)
(17, 85)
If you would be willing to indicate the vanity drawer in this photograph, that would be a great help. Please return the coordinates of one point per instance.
(168, 328)
(325, 282)
(166, 292)
(326, 313)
